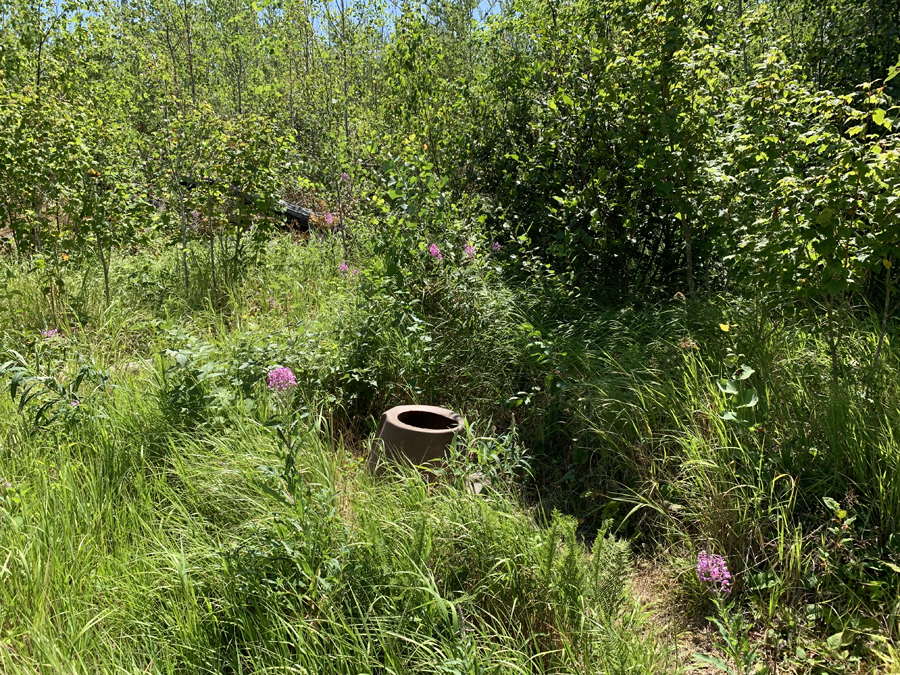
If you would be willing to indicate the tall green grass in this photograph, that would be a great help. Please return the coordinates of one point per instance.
(135, 541)
(144, 534)
(131, 547)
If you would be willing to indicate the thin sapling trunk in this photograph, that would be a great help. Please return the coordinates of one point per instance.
(105, 265)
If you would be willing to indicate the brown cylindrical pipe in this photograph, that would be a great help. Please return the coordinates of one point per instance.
(414, 434)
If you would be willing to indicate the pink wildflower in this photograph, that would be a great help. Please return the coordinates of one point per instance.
(343, 268)
(496, 246)
(713, 570)
(470, 251)
(281, 379)
(435, 252)
(49, 334)
(329, 218)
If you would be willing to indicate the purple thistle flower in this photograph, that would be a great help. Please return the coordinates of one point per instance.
(281, 379)
(49, 334)
(329, 218)
(345, 177)
(496, 246)
(435, 252)
(470, 251)
(713, 570)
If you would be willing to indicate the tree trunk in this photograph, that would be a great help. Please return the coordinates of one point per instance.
(184, 260)
(37, 83)
(212, 257)
(105, 266)
(187, 26)
(688, 253)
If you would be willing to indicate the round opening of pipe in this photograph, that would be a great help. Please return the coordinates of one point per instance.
(423, 419)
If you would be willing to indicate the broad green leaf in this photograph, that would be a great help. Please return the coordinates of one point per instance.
(729, 387)
(747, 399)
(892, 71)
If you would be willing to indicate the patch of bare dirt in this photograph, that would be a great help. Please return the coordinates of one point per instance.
(656, 588)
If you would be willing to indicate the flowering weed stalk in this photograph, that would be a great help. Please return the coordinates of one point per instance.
(282, 383)
(713, 572)
(281, 379)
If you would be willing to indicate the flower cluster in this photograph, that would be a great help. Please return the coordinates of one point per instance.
(49, 334)
(713, 570)
(343, 268)
(329, 218)
(435, 252)
(345, 177)
(470, 251)
(271, 303)
(281, 379)
(495, 246)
